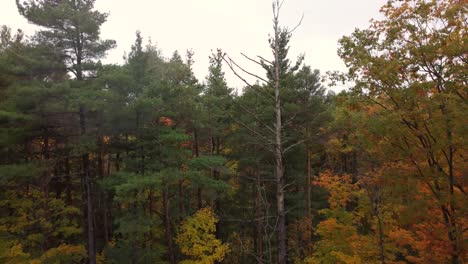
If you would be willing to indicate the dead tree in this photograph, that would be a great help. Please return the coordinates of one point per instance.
(273, 137)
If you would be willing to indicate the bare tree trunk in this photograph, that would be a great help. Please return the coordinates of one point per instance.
(281, 211)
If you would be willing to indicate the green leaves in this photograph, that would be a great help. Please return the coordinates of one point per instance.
(17, 174)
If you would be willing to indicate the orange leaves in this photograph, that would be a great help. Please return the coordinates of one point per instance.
(163, 120)
(340, 188)
(106, 140)
(166, 121)
(186, 144)
(426, 240)
(411, 143)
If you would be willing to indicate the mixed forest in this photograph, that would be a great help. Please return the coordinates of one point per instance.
(141, 162)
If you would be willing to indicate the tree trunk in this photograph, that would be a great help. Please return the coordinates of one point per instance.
(106, 211)
(117, 162)
(281, 211)
(309, 199)
(258, 218)
(102, 194)
(454, 235)
(197, 154)
(181, 200)
(45, 187)
(89, 202)
(381, 236)
(68, 184)
(90, 211)
(216, 176)
(167, 228)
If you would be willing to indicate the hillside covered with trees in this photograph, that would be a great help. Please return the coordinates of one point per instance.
(144, 163)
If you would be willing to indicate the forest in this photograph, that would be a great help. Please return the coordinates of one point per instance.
(141, 162)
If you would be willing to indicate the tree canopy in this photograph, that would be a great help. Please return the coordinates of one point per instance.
(141, 162)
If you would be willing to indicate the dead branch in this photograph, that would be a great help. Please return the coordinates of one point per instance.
(263, 59)
(254, 116)
(297, 25)
(255, 132)
(295, 144)
(252, 60)
(247, 72)
(244, 80)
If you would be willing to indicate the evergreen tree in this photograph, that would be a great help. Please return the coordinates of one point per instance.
(73, 27)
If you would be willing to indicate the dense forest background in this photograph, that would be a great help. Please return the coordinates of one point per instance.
(143, 163)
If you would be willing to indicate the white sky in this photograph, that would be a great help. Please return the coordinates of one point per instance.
(233, 25)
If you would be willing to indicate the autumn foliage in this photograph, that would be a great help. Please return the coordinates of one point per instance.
(140, 162)
(196, 239)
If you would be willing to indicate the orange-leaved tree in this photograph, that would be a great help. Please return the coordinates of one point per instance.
(411, 68)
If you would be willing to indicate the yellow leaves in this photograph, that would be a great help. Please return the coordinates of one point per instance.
(340, 243)
(335, 145)
(101, 258)
(35, 219)
(197, 239)
(111, 243)
(15, 255)
(64, 253)
(328, 227)
(346, 259)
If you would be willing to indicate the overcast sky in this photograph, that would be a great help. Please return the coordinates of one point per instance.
(233, 25)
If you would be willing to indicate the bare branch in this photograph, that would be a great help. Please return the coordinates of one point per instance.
(252, 60)
(244, 80)
(280, 4)
(290, 120)
(294, 145)
(255, 132)
(254, 116)
(247, 72)
(298, 24)
(229, 63)
(263, 59)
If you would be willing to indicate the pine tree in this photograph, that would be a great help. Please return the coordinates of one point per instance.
(73, 27)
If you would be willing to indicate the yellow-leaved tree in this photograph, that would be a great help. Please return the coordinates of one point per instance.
(197, 240)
